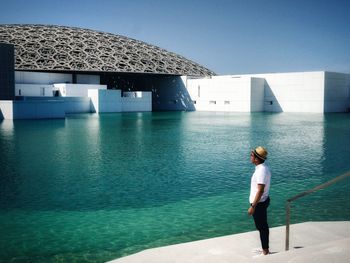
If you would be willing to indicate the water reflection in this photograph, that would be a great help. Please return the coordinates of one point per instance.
(294, 141)
(111, 161)
(133, 181)
(7, 128)
(336, 144)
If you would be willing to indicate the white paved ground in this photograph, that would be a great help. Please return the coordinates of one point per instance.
(309, 242)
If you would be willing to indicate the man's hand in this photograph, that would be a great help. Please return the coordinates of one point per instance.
(257, 198)
(251, 210)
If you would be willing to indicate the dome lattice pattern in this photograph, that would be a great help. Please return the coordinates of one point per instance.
(40, 47)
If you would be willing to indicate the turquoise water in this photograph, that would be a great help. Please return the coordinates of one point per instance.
(91, 188)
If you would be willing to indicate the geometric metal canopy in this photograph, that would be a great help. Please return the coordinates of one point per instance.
(61, 48)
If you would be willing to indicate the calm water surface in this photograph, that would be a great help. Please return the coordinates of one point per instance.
(91, 188)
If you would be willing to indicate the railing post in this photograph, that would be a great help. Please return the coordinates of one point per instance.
(290, 200)
(287, 224)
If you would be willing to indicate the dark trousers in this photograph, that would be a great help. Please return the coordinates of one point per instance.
(260, 219)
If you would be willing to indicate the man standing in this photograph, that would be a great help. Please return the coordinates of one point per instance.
(259, 195)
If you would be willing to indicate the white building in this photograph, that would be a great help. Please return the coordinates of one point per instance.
(50, 95)
(314, 92)
(47, 71)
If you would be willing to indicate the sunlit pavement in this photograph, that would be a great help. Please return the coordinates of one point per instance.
(309, 242)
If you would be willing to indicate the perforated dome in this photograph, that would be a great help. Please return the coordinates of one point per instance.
(60, 48)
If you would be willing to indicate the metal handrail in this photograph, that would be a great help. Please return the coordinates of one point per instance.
(336, 179)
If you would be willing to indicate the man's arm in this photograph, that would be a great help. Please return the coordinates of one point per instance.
(257, 198)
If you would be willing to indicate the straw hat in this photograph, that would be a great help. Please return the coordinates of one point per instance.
(260, 152)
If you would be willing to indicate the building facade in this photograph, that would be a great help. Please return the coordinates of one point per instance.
(309, 92)
(51, 71)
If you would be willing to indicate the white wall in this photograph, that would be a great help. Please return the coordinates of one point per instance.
(227, 93)
(76, 90)
(23, 77)
(337, 92)
(257, 94)
(32, 109)
(112, 101)
(314, 92)
(105, 100)
(34, 90)
(76, 104)
(66, 90)
(294, 92)
(141, 102)
(6, 109)
(298, 92)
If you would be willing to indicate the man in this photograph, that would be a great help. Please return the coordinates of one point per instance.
(259, 195)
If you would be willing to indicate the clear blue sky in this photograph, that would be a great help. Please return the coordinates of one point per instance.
(226, 36)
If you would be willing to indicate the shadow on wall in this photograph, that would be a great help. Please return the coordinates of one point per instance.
(271, 103)
(170, 93)
(336, 92)
(1, 116)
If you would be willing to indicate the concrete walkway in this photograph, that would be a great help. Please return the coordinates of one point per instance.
(309, 242)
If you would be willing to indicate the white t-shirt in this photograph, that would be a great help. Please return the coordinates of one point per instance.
(262, 175)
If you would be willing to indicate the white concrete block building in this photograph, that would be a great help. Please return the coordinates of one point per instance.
(46, 95)
(313, 92)
(99, 72)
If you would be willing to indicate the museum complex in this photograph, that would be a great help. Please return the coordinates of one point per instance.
(48, 71)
